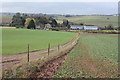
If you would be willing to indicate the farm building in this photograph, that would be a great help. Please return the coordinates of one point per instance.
(87, 27)
(38, 27)
(77, 27)
(47, 27)
(91, 28)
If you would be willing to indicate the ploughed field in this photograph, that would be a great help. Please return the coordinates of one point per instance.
(95, 55)
(15, 41)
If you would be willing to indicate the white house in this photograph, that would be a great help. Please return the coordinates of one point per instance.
(91, 28)
(87, 27)
(77, 27)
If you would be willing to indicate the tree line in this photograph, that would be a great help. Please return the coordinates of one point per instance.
(30, 21)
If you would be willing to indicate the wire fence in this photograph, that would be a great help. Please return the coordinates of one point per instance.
(54, 50)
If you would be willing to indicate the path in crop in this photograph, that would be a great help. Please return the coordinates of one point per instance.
(95, 67)
(80, 63)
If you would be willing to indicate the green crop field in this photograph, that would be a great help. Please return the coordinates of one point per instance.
(92, 20)
(15, 40)
(94, 56)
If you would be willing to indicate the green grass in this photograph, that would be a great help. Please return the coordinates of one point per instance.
(93, 20)
(15, 40)
(100, 47)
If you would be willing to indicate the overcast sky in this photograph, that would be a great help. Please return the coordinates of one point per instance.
(59, 0)
(77, 7)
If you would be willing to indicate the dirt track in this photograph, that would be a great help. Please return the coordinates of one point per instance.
(10, 61)
(13, 60)
(49, 69)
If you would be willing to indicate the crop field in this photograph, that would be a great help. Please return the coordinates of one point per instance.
(95, 56)
(92, 20)
(15, 41)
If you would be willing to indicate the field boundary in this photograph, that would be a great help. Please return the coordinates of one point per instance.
(54, 64)
(4, 57)
(97, 31)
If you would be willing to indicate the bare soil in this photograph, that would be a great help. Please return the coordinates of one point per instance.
(48, 70)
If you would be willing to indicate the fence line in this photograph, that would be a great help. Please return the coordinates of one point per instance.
(65, 46)
(58, 49)
(28, 53)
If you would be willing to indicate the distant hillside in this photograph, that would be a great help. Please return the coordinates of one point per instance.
(6, 13)
(99, 20)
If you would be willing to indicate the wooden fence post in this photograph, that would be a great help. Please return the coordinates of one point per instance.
(28, 53)
(58, 47)
(48, 48)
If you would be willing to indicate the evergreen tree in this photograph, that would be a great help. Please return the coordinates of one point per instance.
(31, 25)
(68, 26)
(65, 22)
(54, 23)
(110, 27)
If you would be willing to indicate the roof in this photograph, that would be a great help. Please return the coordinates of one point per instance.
(76, 27)
(90, 26)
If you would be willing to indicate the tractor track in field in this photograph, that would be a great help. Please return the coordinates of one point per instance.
(92, 67)
(98, 67)
(86, 62)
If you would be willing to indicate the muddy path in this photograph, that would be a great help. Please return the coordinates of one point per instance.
(13, 60)
(48, 70)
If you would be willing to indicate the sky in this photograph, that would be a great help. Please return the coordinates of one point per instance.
(78, 7)
(59, 0)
